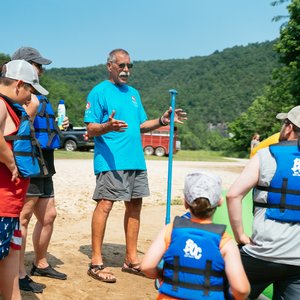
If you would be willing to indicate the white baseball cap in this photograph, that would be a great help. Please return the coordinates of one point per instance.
(22, 70)
(203, 185)
(293, 116)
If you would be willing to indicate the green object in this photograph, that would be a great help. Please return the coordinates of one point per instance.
(221, 217)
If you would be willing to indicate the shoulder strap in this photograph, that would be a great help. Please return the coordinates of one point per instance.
(43, 102)
(11, 110)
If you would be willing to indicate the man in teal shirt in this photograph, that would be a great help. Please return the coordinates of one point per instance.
(115, 117)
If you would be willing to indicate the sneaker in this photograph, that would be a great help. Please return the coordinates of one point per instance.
(47, 272)
(27, 284)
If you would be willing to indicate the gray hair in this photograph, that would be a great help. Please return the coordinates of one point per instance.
(112, 55)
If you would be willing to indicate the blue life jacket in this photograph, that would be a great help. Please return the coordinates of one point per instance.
(27, 152)
(283, 201)
(46, 129)
(193, 264)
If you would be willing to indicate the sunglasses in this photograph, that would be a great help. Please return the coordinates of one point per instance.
(123, 65)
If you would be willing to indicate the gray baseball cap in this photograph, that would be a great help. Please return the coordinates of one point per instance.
(293, 115)
(205, 185)
(31, 55)
(23, 70)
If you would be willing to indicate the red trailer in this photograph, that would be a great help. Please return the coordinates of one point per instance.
(157, 141)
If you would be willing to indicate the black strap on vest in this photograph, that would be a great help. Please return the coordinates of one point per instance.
(193, 286)
(283, 191)
(175, 273)
(278, 190)
(268, 205)
(195, 271)
(208, 272)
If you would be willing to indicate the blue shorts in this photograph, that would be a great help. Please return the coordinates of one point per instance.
(10, 235)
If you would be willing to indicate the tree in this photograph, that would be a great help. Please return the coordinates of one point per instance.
(284, 91)
(4, 58)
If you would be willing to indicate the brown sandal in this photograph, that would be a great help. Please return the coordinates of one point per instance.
(133, 269)
(99, 272)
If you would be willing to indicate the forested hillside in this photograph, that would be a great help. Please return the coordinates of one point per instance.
(213, 89)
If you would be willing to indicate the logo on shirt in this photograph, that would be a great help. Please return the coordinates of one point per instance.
(192, 250)
(296, 167)
(133, 99)
(88, 105)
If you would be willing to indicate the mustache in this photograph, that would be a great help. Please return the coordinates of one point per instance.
(123, 73)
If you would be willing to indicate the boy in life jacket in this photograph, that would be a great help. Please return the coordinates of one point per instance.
(40, 195)
(17, 82)
(197, 254)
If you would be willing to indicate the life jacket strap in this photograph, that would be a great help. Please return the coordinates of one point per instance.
(51, 137)
(208, 272)
(277, 190)
(195, 271)
(43, 108)
(15, 137)
(193, 286)
(268, 205)
(283, 191)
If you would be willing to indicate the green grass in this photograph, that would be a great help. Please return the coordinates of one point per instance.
(62, 154)
(200, 155)
(183, 155)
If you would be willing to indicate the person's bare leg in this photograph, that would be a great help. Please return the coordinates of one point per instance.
(45, 213)
(99, 220)
(25, 217)
(131, 228)
(100, 215)
(9, 270)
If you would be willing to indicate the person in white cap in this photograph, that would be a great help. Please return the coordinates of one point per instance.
(40, 195)
(271, 254)
(197, 253)
(18, 81)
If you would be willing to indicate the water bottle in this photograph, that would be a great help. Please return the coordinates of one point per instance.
(61, 113)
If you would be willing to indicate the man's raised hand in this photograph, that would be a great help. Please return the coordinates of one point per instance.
(116, 125)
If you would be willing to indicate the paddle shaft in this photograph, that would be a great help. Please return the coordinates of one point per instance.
(170, 160)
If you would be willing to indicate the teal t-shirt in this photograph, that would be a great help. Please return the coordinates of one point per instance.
(117, 150)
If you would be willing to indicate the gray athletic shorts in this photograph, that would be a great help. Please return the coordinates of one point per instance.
(121, 185)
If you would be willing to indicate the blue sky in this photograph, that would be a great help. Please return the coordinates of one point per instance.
(76, 33)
